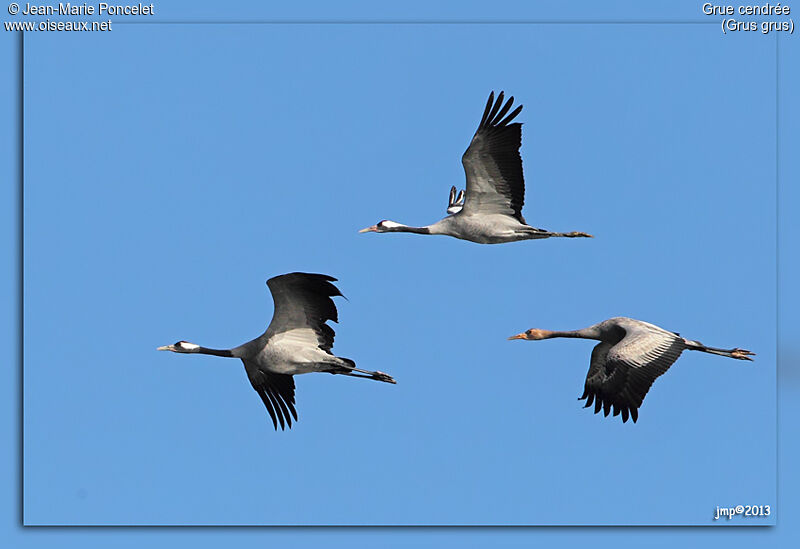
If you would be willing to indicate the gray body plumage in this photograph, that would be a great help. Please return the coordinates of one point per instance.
(485, 228)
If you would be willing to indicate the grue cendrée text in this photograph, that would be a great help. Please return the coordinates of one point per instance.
(490, 212)
(630, 356)
(297, 341)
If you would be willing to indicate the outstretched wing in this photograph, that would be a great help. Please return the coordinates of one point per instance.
(493, 165)
(277, 393)
(620, 375)
(303, 303)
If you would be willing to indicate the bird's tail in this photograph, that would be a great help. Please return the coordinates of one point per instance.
(739, 354)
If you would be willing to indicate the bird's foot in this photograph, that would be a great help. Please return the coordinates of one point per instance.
(381, 376)
(573, 234)
(742, 354)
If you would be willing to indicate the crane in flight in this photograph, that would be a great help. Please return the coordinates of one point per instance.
(297, 341)
(490, 211)
(630, 356)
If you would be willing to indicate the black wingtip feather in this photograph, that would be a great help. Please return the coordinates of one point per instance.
(279, 404)
(265, 399)
(276, 406)
(489, 103)
(510, 117)
(276, 392)
(503, 111)
(495, 108)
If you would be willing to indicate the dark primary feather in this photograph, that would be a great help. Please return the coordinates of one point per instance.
(621, 374)
(303, 300)
(277, 393)
(492, 162)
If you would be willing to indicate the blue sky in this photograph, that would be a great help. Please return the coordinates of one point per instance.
(215, 157)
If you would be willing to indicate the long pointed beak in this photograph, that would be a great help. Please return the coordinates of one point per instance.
(518, 336)
(372, 229)
(165, 348)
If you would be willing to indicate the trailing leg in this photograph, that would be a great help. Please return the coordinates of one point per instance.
(739, 354)
(349, 369)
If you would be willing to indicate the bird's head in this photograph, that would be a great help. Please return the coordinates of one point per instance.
(381, 227)
(181, 347)
(532, 335)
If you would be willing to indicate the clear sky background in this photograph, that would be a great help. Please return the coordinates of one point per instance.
(171, 169)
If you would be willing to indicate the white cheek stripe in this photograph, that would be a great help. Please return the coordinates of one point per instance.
(189, 346)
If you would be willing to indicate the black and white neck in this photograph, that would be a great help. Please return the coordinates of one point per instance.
(186, 347)
(387, 226)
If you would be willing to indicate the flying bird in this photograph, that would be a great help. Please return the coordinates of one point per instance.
(297, 341)
(630, 356)
(490, 212)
